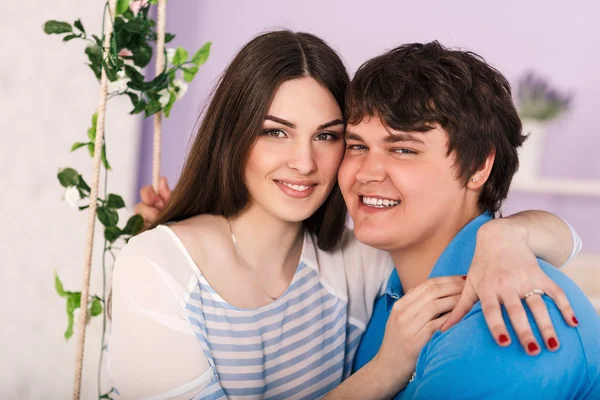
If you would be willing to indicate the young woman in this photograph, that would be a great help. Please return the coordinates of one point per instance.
(249, 284)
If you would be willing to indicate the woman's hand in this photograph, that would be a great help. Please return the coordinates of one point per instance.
(153, 203)
(414, 319)
(503, 271)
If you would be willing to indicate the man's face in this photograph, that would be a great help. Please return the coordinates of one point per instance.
(401, 188)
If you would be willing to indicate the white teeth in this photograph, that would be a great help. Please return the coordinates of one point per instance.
(379, 203)
(298, 188)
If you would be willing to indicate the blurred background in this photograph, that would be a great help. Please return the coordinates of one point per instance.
(48, 95)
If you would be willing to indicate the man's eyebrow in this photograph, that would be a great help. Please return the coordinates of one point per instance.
(353, 136)
(280, 121)
(403, 137)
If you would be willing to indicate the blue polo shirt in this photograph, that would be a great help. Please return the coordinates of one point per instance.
(466, 363)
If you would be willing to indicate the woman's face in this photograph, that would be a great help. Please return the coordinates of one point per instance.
(293, 164)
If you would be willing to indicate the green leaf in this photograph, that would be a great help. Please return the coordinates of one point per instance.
(141, 106)
(152, 108)
(57, 27)
(96, 308)
(169, 106)
(97, 40)
(180, 57)
(111, 74)
(133, 97)
(134, 225)
(133, 74)
(91, 149)
(59, 286)
(122, 6)
(79, 25)
(91, 133)
(77, 145)
(108, 216)
(134, 26)
(202, 55)
(141, 57)
(115, 201)
(81, 184)
(112, 233)
(70, 37)
(94, 53)
(104, 160)
(68, 177)
(169, 37)
(189, 73)
(73, 302)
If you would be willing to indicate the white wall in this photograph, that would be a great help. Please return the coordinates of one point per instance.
(47, 96)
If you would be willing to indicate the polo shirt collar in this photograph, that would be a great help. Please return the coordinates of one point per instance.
(455, 260)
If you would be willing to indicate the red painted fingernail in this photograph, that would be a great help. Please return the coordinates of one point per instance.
(552, 343)
(575, 320)
(532, 347)
(464, 277)
(503, 338)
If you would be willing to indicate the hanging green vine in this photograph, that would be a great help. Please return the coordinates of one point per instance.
(129, 53)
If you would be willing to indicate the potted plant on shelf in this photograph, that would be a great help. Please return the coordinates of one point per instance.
(538, 104)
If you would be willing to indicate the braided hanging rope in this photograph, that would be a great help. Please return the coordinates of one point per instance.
(160, 63)
(108, 25)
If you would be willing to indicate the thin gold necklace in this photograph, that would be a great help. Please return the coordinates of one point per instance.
(243, 259)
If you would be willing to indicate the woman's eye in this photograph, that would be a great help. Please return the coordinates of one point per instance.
(326, 136)
(275, 133)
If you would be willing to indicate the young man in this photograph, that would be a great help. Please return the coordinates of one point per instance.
(432, 146)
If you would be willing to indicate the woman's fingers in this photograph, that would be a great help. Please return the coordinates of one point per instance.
(148, 213)
(520, 322)
(542, 319)
(468, 298)
(427, 331)
(164, 191)
(560, 299)
(492, 313)
(148, 197)
(431, 311)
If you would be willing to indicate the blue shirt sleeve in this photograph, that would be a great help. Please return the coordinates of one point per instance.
(465, 362)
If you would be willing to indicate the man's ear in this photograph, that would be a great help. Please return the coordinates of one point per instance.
(478, 179)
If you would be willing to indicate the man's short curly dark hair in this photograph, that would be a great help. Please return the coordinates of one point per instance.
(416, 85)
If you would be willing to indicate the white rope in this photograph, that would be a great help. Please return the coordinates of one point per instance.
(160, 64)
(108, 23)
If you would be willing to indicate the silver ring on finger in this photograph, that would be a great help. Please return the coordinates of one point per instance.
(535, 291)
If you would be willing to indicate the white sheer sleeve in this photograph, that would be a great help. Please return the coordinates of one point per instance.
(577, 244)
(153, 352)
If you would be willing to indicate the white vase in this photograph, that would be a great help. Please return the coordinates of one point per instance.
(530, 154)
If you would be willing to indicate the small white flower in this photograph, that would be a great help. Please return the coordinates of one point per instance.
(170, 55)
(165, 97)
(120, 84)
(72, 196)
(180, 88)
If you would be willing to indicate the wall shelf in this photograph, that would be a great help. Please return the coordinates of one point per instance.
(558, 186)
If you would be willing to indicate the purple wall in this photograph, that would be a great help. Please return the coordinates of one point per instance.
(559, 41)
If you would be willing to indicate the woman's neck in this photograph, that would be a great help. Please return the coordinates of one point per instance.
(268, 244)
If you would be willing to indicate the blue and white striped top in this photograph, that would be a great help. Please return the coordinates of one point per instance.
(173, 336)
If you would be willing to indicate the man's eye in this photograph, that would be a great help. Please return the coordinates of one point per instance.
(355, 147)
(275, 133)
(403, 151)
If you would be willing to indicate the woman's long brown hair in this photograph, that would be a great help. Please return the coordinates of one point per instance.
(212, 180)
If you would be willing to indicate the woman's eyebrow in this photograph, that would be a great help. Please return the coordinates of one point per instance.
(331, 123)
(280, 121)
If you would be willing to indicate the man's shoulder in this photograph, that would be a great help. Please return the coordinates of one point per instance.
(468, 350)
